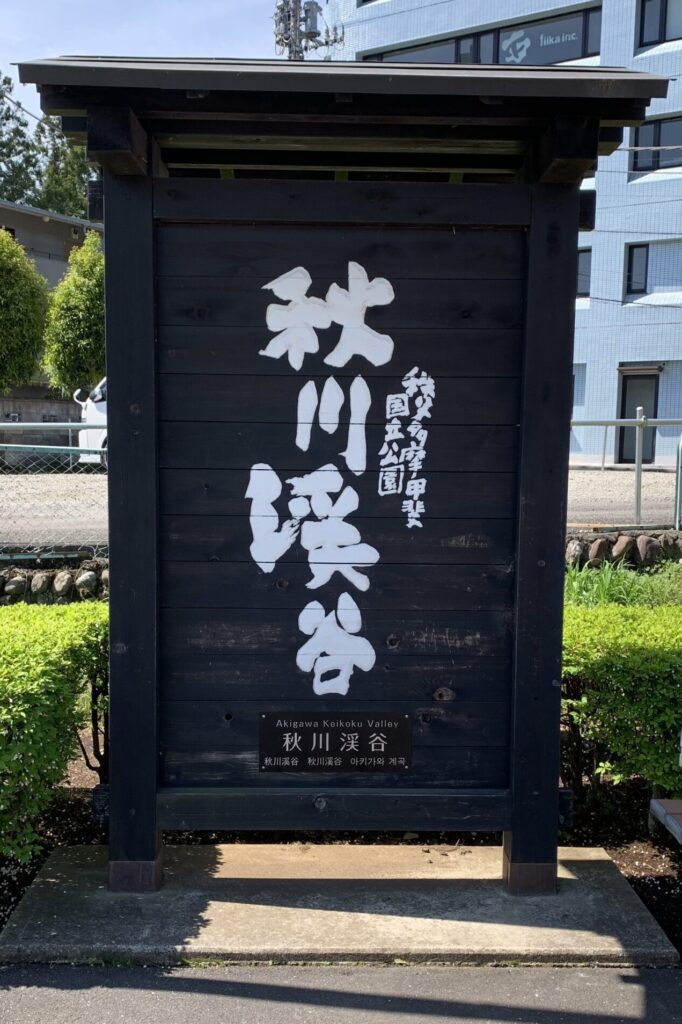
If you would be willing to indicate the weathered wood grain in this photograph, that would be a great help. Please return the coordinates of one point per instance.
(233, 585)
(323, 807)
(234, 302)
(441, 542)
(450, 495)
(483, 634)
(454, 351)
(256, 250)
(241, 445)
(189, 675)
(222, 398)
(432, 767)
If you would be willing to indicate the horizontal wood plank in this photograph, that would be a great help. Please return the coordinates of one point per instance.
(481, 634)
(220, 676)
(258, 250)
(198, 726)
(262, 398)
(450, 352)
(450, 495)
(241, 445)
(290, 809)
(233, 585)
(385, 203)
(435, 767)
(234, 302)
(442, 541)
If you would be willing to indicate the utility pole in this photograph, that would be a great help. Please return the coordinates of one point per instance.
(297, 29)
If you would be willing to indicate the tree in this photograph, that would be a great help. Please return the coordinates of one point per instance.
(74, 332)
(23, 304)
(64, 171)
(19, 162)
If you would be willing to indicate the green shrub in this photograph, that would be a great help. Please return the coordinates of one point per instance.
(74, 334)
(622, 673)
(23, 304)
(48, 657)
(617, 584)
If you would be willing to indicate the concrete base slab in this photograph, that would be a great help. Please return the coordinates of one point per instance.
(333, 903)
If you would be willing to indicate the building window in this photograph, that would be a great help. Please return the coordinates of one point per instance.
(10, 231)
(584, 272)
(660, 20)
(651, 142)
(435, 53)
(550, 41)
(638, 269)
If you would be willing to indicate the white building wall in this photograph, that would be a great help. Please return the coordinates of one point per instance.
(631, 208)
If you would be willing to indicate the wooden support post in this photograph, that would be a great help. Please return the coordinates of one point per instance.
(134, 839)
(530, 846)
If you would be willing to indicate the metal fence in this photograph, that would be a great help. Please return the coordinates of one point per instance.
(654, 499)
(53, 492)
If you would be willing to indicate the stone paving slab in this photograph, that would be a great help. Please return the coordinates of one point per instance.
(333, 904)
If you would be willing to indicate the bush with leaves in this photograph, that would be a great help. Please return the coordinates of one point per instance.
(74, 333)
(49, 656)
(23, 304)
(622, 674)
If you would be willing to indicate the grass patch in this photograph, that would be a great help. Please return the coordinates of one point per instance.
(617, 584)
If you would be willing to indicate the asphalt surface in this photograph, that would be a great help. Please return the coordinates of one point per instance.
(338, 995)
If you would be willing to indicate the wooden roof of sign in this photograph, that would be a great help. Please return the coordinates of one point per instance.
(477, 122)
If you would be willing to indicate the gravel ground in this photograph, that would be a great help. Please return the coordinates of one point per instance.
(40, 510)
(607, 498)
(43, 509)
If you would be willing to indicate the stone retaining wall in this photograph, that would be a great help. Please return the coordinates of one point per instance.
(90, 580)
(632, 547)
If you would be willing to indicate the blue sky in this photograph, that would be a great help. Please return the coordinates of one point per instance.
(179, 28)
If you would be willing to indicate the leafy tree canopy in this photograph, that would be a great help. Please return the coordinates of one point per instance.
(23, 304)
(74, 333)
(40, 168)
(19, 164)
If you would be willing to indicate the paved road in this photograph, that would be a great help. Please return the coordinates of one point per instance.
(338, 995)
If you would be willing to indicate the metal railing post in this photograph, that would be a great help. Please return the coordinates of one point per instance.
(639, 454)
(678, 485)
(603, 451)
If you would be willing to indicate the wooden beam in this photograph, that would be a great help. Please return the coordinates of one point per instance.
(327, 808)
(372, 161)
(610, 138)
(117, 141)
(565, 153)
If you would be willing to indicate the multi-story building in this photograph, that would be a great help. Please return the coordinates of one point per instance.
(628, 350)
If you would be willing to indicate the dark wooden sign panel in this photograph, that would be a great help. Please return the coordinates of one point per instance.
(337, 535)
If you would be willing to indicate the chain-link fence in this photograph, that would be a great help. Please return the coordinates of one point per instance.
(53, 490)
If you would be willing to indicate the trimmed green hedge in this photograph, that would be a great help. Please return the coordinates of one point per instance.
(48, 657)
(622, 675)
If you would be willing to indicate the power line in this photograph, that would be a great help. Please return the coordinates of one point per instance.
(25, 110)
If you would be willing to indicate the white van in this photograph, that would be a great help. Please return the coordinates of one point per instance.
(94, 413)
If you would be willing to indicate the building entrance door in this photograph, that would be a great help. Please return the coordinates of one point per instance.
(638, 390)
